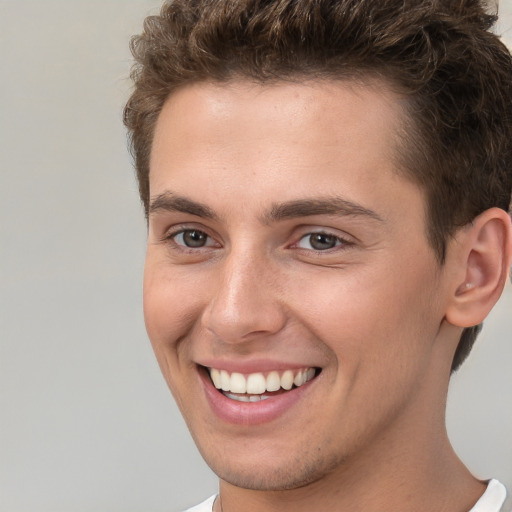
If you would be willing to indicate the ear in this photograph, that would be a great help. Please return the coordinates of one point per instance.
(483, 256)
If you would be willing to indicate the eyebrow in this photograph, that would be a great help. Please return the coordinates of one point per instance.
(170, 202)
(328, 206)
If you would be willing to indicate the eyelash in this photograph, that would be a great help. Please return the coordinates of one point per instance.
(339, 242)
(171, 237)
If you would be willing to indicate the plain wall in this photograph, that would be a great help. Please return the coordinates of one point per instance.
(86, 420)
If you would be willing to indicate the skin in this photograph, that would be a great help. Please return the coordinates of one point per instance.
(371, 312)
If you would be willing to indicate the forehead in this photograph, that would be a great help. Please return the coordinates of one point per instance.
(313, 112)
(290, 140)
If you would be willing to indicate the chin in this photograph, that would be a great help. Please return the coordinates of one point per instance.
(272, 473)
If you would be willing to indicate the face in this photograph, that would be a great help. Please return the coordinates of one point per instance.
(287, 264)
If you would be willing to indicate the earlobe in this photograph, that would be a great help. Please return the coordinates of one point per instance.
(484, 252)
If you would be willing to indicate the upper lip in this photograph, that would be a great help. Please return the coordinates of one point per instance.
(253, 366)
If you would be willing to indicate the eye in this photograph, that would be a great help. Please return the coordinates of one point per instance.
(192, 238)
(320, 241)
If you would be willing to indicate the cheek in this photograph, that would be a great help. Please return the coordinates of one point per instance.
(171, 308)
(372, 319)
(169, 300)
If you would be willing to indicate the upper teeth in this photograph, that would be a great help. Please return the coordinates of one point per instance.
(258, 383)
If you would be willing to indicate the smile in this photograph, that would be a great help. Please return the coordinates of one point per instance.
(255, 387)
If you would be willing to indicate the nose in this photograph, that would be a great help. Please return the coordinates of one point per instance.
(245, 302)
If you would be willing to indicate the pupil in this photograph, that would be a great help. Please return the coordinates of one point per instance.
(322, 241)
(194, 238)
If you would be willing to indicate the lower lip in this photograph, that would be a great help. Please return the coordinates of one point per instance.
(250, 413)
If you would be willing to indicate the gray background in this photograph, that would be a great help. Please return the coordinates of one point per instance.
(86, 421)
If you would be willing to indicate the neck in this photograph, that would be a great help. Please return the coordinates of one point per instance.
(431, 480)
(439, 482)
(410, 466)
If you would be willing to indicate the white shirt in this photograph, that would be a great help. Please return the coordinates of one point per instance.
(491, 500)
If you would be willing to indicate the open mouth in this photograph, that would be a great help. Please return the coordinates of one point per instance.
(259, 386)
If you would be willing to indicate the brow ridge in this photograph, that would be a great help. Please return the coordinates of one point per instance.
(309, 207)
(170, 202)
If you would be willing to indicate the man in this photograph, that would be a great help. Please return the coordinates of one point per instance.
(327, 185)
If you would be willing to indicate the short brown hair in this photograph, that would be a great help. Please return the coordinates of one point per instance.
(455, 73)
